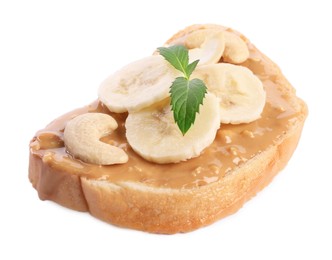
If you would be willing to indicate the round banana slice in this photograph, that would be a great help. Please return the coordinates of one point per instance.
(241, 93)
(205, 45)
(138, 84)
(154, 135)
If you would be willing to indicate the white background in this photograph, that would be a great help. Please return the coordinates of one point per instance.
(54, 54)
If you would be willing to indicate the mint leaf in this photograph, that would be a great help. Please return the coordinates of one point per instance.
(177, 56)
(191, 67)
(186, 96)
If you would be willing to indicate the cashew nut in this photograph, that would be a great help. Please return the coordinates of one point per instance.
(82, 139)
(206, 45)
(236, 50)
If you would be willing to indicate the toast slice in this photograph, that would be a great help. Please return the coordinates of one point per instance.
(178, 197)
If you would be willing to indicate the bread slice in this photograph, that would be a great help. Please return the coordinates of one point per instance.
(160, 207)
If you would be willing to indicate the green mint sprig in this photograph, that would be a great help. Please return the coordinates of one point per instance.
(186, 94)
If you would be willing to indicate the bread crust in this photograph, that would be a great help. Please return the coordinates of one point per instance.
(165, 210)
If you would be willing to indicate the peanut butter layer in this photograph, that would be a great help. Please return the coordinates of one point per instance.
(233, 145)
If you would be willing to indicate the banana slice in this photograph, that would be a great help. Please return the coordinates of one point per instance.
(138, 84)
(241, 93)
(153, 134)
(205, 45)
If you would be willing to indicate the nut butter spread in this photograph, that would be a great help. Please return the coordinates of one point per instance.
(233, 145)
